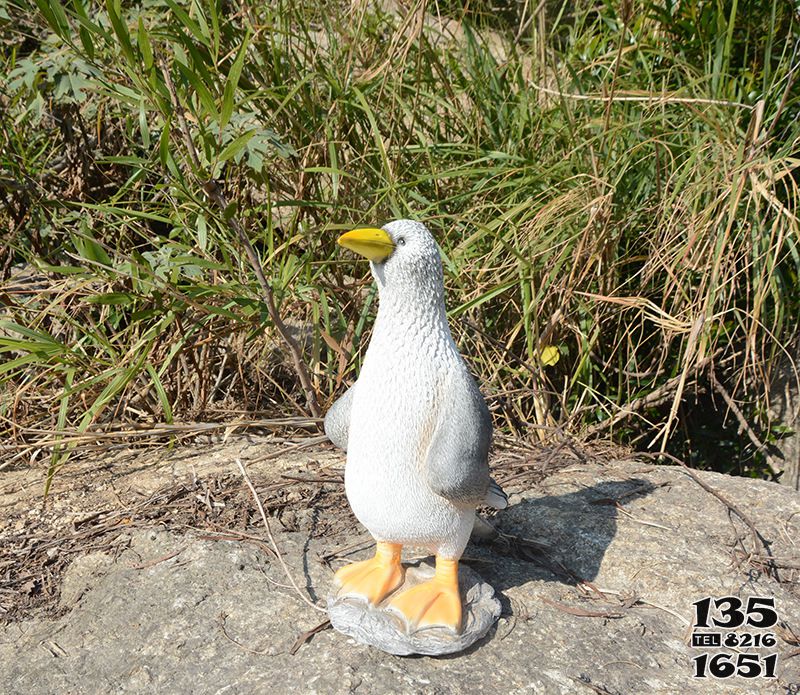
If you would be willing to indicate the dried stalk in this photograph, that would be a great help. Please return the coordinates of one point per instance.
(656, 397)
(653, 98)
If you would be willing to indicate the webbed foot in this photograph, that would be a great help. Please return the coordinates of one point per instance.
(436, 602)
(373, 579)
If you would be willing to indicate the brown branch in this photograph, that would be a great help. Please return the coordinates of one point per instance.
(582, 612)
(158, 560)
(221, 618)
(583, 679)
(774, 466)
(176, 105)
(217, 196)
(655, 397)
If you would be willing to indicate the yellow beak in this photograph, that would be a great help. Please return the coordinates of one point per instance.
(371, 243)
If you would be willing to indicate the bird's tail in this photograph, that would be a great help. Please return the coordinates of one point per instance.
(495, 496)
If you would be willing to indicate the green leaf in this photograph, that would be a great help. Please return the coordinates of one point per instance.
(188, 22)
(55, 457)
(236, 146)
(87, 24)
(161, 392)
(86, 41)
(121, 379)
(121, 30)
(121, 298)
(232, 83)
(89, 249)
(56, 17)
(202, 24)
(19, 362)
(62, 269)
(163, 144)
(143, 39)
(203, 93)
(481, 299)
(214, 27)
(202, 232)
(47, 13)
(38, 341)
(144, 129)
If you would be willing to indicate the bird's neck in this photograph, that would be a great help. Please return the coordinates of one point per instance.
(416, 313)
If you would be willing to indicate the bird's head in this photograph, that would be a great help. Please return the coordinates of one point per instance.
(403, 255)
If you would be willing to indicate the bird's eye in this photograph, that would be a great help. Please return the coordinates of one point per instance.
(401, 241)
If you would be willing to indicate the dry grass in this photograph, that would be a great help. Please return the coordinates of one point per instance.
(611, 182)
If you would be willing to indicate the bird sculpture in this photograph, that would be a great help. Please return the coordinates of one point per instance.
(416, 431)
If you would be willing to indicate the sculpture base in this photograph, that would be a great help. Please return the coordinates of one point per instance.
(386, 630)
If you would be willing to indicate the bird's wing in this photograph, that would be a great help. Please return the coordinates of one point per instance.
(457, 461)
(496, 497)
(337, 419)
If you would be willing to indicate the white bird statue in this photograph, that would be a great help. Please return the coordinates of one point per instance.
(416, 430)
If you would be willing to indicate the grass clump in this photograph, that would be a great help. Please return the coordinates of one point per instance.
(614, 188)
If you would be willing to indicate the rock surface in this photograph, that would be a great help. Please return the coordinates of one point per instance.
(597, 600)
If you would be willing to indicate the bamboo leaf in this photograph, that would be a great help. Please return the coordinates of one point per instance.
(236, 146)
(143, 40)
(232, 83)
(188, 22)
(113, 8)
(162, 394)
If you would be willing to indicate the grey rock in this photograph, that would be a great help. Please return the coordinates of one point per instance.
(604, 605)
(381, 628)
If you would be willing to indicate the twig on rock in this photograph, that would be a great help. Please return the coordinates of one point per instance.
(158, 560)
(583, 679)
(341, 553)
(582, 612)
(758, 539)
(311, 441)
(307, 635)
(221, 618)
(272, 539)
(649, 604)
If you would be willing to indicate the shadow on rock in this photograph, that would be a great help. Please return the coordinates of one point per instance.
(556, 538)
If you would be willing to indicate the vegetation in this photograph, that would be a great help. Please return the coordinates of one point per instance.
(613, 186)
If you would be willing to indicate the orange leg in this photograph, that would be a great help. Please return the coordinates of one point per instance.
(373, 579)
(436, 602)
